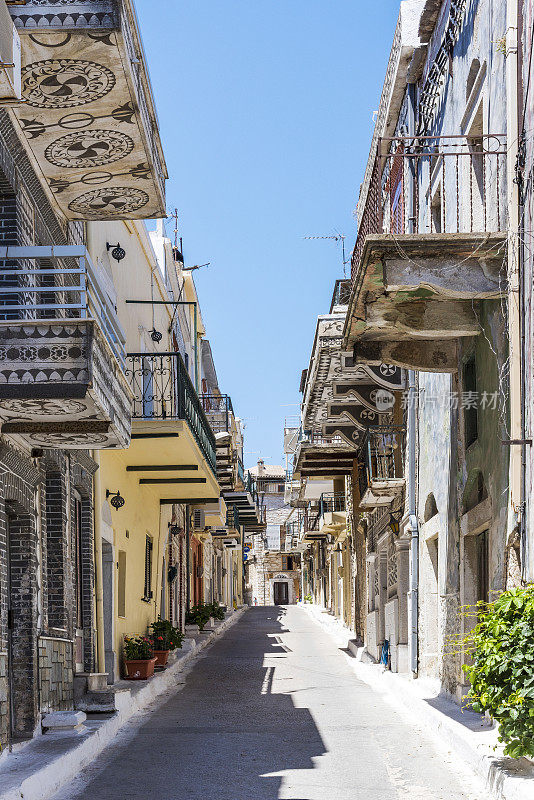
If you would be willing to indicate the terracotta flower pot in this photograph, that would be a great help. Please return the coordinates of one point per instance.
(140, 669)
(161, 657)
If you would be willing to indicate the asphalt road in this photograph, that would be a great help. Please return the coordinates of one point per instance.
(273, 710)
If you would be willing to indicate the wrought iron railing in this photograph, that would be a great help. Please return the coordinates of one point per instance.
(435, 184)
(56, 282)
(382, 456)
(311, 519)
(162, 389)
(241, 471)
(321, 440)
(219, 411)
(331, 502)
(341, 293)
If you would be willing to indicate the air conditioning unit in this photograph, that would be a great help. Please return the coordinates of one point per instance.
(10, 66)
(199, 519)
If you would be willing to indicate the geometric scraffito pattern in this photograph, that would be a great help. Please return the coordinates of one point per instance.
(89, 148)
(65, 82)
(88, 106)
(113, 203)
(61, 385)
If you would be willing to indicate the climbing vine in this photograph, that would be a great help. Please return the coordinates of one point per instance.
(502, 670)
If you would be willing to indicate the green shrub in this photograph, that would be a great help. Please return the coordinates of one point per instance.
(502, 672)
(137, 648)
(216, 610)
(198, 615)
(165, 636)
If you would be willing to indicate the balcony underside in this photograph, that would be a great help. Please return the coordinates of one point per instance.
(334, 522)
(88, 117)
(165, 456)
(61, 386)
(316, 461)
(421, 292)
(381, 493)
(428, 356)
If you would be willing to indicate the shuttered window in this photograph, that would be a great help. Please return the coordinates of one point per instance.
(121, 584)
(148, 568)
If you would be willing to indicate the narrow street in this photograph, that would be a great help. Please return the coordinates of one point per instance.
(273, 710)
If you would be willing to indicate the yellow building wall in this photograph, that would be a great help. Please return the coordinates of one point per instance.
(139, 517)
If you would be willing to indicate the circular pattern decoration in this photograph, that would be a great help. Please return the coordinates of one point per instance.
(89, 148)
(43, 407)
(387, 369)
(112, 203)
(65, 82)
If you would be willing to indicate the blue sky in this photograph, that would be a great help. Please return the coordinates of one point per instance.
(265, 109)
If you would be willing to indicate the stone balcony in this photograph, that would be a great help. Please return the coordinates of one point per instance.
(88, 114)
(431, 248)
(381, 469)
(62, 381)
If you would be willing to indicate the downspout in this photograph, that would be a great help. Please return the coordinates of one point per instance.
(411, 493)
(187, 560)
(515, 508)
(413, 527)
(99, 575)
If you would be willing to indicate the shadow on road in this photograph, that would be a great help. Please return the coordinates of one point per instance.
(224, 735)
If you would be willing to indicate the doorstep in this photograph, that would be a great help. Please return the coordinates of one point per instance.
(472, 737)
(49, 762)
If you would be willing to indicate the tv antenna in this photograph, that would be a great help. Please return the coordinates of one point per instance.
(337, 237)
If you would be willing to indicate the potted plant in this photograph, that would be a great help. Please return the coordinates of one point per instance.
(138, 657)
(165, 637)
(216, 610)
(198, 615)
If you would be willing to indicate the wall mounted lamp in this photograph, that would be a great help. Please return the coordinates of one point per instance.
(394, 523)
(117, 252)
(117, 500)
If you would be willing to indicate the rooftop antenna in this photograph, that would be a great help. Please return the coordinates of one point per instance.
(337, 237)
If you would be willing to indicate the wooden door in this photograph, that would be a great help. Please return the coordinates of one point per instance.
(281, 593)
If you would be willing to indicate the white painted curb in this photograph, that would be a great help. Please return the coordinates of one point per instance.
(505, 778)
(53, 771)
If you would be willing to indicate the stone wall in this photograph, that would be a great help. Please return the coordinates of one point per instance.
(55, 674)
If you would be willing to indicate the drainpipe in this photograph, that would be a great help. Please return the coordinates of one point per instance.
(99, 575)
(515, 508)
(413, 527)
(187, 559)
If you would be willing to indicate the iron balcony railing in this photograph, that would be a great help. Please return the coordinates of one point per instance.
(162, 389)
(435, 184)
(311, 518)
(219, 411)
(331, 502)
(341, 293)
(321, 440)
(241, 471)
(56, 283)
(382, 456)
